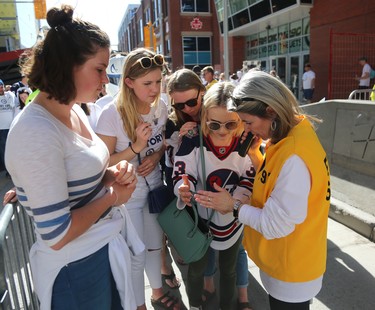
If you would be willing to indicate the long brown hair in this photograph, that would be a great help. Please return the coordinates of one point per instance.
(68, 44)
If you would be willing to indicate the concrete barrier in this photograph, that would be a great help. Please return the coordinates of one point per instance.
(348, 136)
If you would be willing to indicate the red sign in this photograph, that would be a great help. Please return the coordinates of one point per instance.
(196, 23)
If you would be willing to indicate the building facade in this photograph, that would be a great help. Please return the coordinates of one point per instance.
(185, 31)
(272, 34)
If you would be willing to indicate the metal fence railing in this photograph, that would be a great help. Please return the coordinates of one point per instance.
(361, 94)
(16, 238)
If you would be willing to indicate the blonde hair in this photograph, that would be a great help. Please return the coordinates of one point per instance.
(261, 90)
(126, 100)
(218, 96)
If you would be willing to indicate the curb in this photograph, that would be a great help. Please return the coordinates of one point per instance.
(356, 219)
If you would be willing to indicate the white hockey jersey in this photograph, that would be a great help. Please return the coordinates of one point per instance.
(225, 167)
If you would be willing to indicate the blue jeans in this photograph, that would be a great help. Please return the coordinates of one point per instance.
(242, 270)
(86, 284)
(227, 266)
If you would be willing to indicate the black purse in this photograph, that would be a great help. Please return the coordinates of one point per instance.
(159, 197)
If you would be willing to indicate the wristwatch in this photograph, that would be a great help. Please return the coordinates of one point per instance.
(236, 206)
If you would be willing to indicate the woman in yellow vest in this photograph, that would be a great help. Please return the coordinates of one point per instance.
(286, 220)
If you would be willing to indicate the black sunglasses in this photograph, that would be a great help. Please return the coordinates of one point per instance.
(190, 103)
(146, 62)
(236, 102)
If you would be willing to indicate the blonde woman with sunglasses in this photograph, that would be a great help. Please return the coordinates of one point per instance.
(224, 166)
(187, 92)
(132, 127)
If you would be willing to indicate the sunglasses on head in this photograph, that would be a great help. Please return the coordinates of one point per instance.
(236, 102)
(190, 103)
(230, 125)
(146, 62)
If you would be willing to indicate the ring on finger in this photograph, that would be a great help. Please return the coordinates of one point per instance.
(209, 199)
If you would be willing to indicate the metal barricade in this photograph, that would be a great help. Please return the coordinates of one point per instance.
(361, 94)
(16, 237)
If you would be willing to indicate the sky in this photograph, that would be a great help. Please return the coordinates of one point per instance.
(107, 14)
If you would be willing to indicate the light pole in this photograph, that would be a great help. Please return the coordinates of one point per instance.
(225, 41)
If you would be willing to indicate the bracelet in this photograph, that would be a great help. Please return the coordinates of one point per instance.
(113, 191)
(133, 150)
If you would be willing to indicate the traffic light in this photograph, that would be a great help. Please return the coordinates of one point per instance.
(40, 9)
(149, 36)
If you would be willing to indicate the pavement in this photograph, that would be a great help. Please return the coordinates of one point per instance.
(349, 282)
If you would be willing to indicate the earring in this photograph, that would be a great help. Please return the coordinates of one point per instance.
(273, 125)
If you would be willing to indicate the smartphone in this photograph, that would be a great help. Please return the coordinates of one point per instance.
(245, 145)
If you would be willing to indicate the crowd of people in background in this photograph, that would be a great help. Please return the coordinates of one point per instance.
(95, 158)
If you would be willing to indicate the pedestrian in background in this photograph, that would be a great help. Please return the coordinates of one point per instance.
(364, 78)
(208, 75)
(308, 83)
(291, 193)
(7, 110)
(84, 237)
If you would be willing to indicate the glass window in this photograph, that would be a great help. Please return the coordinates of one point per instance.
(194, 6)
(203, 44)
(272, 49)
(219, 10)
(295, 29)
(189, 44)
(283, 32)
(305, 43)
(272, 35)
(254, 1)
(263, 51)
(237, 5)
(202, 5)
(259, 10)
(278, 5)
(295, 45)
(306, 25)
(241, 18)
(263, 37)
(197, 51)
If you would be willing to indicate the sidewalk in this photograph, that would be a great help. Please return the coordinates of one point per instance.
(349, 281)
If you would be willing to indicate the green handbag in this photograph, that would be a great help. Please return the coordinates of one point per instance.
(185, 229)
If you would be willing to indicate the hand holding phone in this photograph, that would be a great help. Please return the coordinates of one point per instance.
(245, 145)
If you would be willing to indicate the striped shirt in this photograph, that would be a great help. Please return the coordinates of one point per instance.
(52, 168)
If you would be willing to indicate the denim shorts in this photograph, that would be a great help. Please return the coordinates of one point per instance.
(86, 284)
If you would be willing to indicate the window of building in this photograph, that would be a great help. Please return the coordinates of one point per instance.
(194, 5)
(156, 5)
(260, 9)
(140, 29)
(219, 10)
(288, 38)
(237, 5)
(241, 18)
(278, 5)
(165, 7)
(197, 51)
(147, 15)
(254, 1)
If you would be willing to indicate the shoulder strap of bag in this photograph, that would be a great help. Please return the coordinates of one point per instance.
(86, 199)
(204, 169)
(139, 161)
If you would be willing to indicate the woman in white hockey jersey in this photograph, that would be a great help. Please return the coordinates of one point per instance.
(221, 141)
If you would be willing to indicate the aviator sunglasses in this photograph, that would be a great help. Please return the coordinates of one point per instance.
(146, 62)
(230, 125)
(190, 103)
